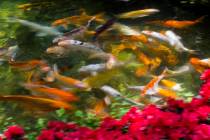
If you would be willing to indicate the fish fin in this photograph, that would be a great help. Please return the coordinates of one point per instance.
(50, 77)
(65, 26)
(55, 70)
(41, 34)
(94, 73)
(200, 19)
(193, 51)
(100, 17)
(12, 19)
(107, 100)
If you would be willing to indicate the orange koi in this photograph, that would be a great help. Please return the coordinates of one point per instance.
(99, 109)
(117, 49)
(151, 63)
(37, 101)
(152, 86)
(200, 65)
(68, 80)
(136, 38)
(29, 65)
(177, 23)
(78, 20)
(167, 93)
(61, 94)
(141, 71)
(165, 53)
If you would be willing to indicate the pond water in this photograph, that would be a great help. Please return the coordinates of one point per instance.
(26, 70)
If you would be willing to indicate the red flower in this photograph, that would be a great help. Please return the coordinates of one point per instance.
(205, 90)
(56, 125)
(205, 75)
(46, 135)
(203, 112)
(201, 132)
(14, 132)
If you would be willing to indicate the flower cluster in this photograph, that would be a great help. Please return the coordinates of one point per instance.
(178, 120)
(64, 131)
(13, 133)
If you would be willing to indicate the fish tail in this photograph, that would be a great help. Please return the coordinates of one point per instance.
(200, 19)
(193, 51)
(99, 17)
(158, 22)
(55, 70)
(12, 19)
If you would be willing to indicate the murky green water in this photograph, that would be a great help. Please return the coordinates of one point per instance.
(32, 46)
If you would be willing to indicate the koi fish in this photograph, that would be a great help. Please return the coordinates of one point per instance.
(29, 65)
(66, 49)
(177, 43)
(79, 45)
(200, 65)
(117, 49)
(171, 85)
(37, 101)
(114, 93)
(29, 6)
(99, 109)
(152, 86)
(95, 68)
(171, 38)
(180, 71)
(150, 63)
(108, 57)
(137, 13)
(96, 81)
(73, 33)
(178, 24)
(68, 80)
(78, 20)
(126, 30)
(156, 35)
(161, 91)
(166, 54)
(103, 28)
(58, 51)
(8, 53)
(51, 92)
(137, 38)
(135, 88)
(42, 30)
(141, 71)
(167, 93)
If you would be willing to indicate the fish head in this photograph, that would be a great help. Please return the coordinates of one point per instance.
(58, 22)
(67, 42)
(56, 50)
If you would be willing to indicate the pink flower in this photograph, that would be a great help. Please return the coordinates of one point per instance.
(14, 132)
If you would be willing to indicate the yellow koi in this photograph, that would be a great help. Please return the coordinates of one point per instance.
(138, 13)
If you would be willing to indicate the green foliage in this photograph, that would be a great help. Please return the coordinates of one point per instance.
(79, 117)
(8, 30)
